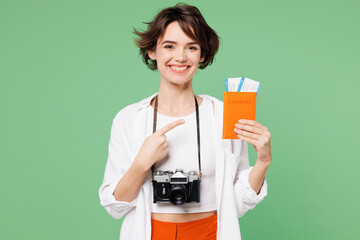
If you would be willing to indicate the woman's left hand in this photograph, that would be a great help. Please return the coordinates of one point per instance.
(258, 135)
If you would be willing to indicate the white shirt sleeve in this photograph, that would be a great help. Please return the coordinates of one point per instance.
(246, 198)
(118, 162)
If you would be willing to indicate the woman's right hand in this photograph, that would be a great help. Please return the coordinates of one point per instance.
(155, 146)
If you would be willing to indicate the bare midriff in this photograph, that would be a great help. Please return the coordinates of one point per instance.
(181, 217)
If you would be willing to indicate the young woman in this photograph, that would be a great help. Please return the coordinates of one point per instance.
(176, 129)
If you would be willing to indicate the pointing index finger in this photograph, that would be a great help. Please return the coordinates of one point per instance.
(170, 126)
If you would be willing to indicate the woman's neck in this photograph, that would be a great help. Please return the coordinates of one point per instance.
(175, 98)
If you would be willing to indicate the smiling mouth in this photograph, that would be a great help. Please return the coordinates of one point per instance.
(178, 69)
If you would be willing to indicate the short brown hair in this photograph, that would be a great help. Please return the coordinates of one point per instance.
(191, 22)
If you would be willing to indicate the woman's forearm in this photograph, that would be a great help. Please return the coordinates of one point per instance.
(257, 175)
(259, 136)
(129, 185)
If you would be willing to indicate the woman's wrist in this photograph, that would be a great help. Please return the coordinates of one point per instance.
(265, 161)
(262, 166)
(140, 165)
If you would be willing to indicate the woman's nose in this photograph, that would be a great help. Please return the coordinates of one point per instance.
(180, 55)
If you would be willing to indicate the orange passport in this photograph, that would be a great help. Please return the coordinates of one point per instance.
(237, 105)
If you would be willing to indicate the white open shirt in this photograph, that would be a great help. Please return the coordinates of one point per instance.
(234, 196)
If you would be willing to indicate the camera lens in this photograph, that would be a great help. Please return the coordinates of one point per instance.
(178, 194)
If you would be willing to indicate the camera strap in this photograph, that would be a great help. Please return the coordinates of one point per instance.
(198, 130)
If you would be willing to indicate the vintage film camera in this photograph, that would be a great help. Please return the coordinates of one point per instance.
(176, 188)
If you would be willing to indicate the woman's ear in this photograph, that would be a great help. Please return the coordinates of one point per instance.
(152, 55)
(202, 59)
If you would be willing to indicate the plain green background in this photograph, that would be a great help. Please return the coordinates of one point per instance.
(67, 67)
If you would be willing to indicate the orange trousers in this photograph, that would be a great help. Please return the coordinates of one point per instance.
(203, 229)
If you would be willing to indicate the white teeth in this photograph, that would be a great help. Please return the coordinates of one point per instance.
(178, 68)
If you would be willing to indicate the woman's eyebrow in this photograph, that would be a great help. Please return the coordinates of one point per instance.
(168, 41)
(192, 43)
(173, 42)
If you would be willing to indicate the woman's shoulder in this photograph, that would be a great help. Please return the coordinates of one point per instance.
(129, 111)
(207, 96)
(217, 103)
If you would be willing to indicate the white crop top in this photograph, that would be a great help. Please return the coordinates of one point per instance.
(183, 154)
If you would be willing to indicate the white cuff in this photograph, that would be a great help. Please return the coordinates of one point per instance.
(250, 197)
(111, 200)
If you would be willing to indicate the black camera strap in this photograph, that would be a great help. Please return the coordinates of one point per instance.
(198, 130)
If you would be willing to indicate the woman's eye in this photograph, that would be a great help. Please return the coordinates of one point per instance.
(193, 48)
(168, 46)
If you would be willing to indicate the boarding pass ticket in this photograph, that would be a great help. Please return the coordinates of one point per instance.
(241, 84)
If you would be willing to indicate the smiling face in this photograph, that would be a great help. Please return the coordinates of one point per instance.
(177, 56)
